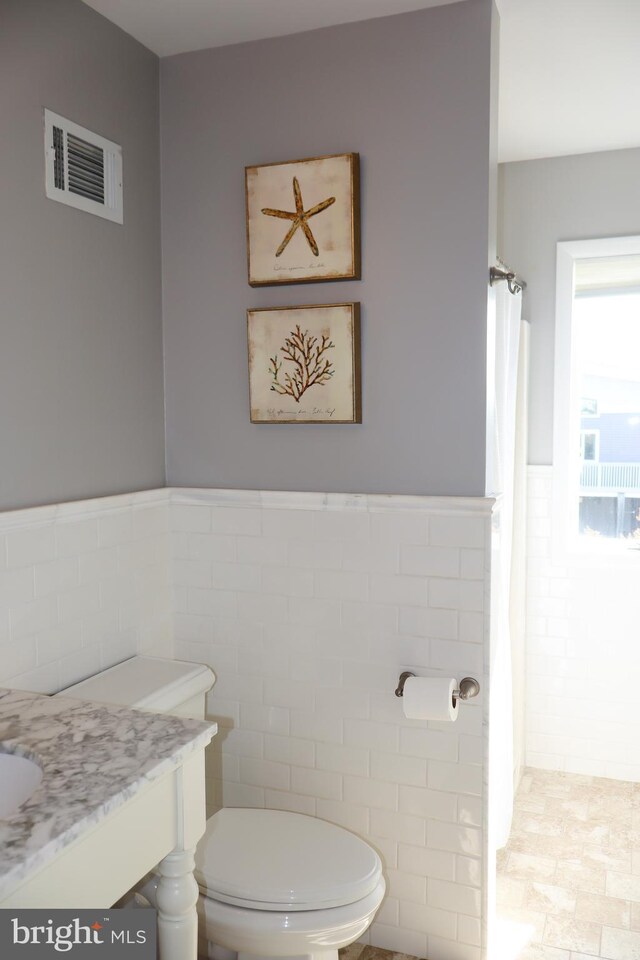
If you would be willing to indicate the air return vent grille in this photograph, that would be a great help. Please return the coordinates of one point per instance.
(58, 161)
(83, 170)
(85, 164)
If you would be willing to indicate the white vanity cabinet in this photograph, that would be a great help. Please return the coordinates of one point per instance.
(121, 792)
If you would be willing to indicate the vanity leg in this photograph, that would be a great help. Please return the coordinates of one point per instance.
(176, 898)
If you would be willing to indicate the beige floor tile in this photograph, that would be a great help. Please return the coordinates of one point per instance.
(353, 952)
(582, 792)
(509, 891)
(512, 939)
(590, 832)
(576, 875)
(623, 836)
(519, 926)
(567, 809)
(611, 858)
(603, 808)
(377, 953)
(538, 823)
(525, 866)
(539, 952)
(553, 789)
(582, 780)
(531, 804)
(525, 783)
(623, 885)
(526, 843)
(538, 775)
(358, 951)
(571, 934)
(544, 780)
(563, 847)
(558, 777)
(569, 878)
(549, 898)
(620, 944)
(604, 910)
(604, 787)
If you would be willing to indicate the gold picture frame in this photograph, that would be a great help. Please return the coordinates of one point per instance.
(304, 364)
(303, 220)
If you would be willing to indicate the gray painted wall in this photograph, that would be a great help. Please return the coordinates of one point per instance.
(542, 202)
(411, 94)
(81, 393)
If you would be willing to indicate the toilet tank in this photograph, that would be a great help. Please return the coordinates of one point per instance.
(151, 684)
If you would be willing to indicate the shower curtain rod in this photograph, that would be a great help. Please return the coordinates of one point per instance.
(514, 282)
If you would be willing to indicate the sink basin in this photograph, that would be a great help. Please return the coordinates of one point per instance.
(19, 777)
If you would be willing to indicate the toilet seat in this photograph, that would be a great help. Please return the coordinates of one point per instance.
(280, 861)
(273, 884)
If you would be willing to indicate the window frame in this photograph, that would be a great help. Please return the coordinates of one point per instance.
(565, 541)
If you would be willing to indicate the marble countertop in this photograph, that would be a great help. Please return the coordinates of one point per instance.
(95, 758)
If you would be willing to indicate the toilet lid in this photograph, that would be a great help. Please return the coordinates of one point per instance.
(275, 860)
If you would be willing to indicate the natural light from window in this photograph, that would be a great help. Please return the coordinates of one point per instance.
(606, 345)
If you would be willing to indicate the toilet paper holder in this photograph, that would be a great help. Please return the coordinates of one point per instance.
(468, 687)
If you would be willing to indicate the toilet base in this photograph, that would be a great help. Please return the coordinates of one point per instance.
(221, 953)
(322, 955)
(274, 935)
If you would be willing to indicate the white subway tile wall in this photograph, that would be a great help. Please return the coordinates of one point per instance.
(583, 659)
(307, 608)
(83, 586)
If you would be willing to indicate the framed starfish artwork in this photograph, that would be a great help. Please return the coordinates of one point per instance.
(304, 364)
(303, 220)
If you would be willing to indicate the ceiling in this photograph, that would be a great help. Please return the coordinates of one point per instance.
(569, 69)
(569, 76)
(176, 26)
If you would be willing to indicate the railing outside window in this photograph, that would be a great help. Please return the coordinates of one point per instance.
(610, 477)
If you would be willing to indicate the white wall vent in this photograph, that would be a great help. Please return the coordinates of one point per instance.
(83, 170)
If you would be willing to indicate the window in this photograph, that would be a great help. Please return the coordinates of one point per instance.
(597, 396)
(589, 444)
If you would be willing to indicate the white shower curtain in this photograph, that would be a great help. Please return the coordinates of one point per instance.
(507, 640)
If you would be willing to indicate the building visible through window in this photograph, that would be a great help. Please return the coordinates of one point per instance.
(606, 344)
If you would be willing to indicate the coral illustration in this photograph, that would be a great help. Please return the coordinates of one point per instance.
(299, 218)
(311, 367)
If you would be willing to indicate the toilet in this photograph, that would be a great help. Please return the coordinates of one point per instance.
(273, 884)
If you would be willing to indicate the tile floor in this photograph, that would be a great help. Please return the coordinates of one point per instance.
(359, 952)
(569, 879)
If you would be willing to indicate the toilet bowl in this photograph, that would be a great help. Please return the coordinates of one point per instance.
(279, 884)
(273, 884)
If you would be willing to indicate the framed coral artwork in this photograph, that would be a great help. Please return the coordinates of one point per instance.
(304, 364)
(303, 220)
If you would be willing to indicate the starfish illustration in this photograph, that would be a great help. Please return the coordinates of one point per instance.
(299, 218)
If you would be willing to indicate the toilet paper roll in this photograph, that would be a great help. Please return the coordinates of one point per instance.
(430, 698)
